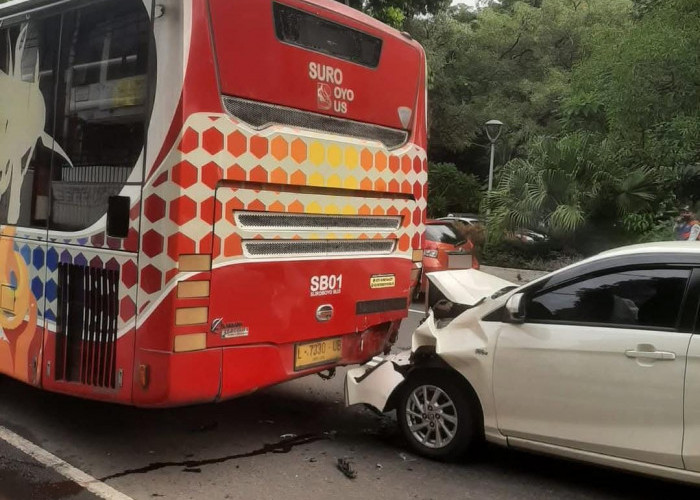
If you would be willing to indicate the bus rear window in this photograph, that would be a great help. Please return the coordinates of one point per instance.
(320, 35)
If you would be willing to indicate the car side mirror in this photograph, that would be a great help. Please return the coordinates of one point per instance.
(515, 308)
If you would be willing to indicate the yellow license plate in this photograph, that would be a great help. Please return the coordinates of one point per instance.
(312, 354)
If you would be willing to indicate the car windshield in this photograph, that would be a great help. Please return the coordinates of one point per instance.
(442, 233)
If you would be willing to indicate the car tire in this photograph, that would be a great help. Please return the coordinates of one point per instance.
(447, 428)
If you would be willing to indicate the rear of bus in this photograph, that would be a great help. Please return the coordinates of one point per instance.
(315, 171)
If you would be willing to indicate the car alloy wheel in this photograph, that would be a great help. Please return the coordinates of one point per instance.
(438, 414)
(431, 416)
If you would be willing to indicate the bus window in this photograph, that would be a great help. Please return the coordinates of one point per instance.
(103, 108)
(27, 69)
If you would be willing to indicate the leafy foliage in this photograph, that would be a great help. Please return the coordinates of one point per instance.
(543, 257)
(450, 190)
(601, 104)
(510, 63)
(568, 183)
(396, 12)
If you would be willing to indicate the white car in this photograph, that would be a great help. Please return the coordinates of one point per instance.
(599, 361)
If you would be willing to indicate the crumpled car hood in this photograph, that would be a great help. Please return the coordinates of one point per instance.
(466, 286)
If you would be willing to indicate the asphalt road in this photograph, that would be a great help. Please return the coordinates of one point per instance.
(281, 442)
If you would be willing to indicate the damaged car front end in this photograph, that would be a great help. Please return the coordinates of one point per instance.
(436, 386)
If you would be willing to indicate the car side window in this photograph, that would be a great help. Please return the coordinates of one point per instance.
(647, 298)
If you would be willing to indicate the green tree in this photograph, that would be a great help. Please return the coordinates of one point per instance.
(450, 190)
(568, 183)
(639, 87)
(512, 63)
(396, 12)
(410, 8)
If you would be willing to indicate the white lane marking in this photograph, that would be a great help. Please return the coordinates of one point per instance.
(50, 460)
(419, 311)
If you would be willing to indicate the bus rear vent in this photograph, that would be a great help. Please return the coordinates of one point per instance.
(302, 248)
(86, 329)
(288, 222)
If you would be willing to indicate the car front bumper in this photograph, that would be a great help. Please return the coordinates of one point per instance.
(374, 382)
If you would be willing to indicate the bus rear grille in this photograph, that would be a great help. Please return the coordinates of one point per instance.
(301, 248)
(261, 115)
(86, 329)
(281, 221)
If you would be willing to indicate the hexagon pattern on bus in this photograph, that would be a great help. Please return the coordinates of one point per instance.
(266, 171)
(40, 261)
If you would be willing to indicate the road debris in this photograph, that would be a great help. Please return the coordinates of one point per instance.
(406, 458)
(345, 466)
(288, 436)
(205, 427)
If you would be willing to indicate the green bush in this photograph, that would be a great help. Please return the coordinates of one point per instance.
(546, 256)
(450, 190)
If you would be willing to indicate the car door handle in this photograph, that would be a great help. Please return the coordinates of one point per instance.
(662, 355)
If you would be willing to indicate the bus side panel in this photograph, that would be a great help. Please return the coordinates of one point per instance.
(185, 62)
(164, 377)
(91, 313)
(21, 307)
(124, 360)
(174, 379)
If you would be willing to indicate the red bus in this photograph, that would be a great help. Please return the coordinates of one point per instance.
(199, 198)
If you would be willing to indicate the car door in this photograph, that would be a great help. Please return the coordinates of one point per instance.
(691, 436)
(598, 365)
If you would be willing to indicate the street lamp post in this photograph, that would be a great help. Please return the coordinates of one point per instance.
(493, 131)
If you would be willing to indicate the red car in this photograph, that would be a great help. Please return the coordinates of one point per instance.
(445, 248)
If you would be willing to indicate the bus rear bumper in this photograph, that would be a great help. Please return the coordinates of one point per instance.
(163, 379)
(248, 368)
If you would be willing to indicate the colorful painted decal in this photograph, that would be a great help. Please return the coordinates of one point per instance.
(182, 205)
(23, 116)
(18, 311)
